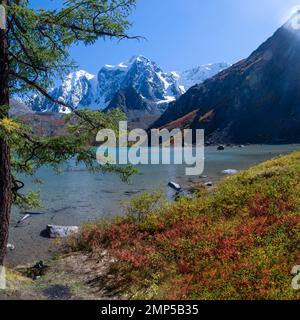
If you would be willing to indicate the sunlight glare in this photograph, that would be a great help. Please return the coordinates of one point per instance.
(294, 19)
(294, 10)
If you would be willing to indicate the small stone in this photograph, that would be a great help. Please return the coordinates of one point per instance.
(39, 265)
(104, 253)
(230, 171)
(10, 247)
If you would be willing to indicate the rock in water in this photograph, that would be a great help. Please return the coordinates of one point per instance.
(221, 148)
(10, 247)
(230, 171)
(61, 231)
(174, 186)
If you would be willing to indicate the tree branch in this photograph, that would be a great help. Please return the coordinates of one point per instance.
(48, 96)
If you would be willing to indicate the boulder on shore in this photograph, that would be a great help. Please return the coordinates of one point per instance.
(174, 186)
(61, 231)
(209, 184)
(230, 171)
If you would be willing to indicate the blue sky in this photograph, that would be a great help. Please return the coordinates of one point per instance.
(182, 34)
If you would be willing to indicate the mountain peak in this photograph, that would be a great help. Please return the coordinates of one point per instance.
(139, 58)
(127, 64)
(79, 74)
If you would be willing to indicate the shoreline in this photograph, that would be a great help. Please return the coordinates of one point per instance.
(31, 247)
(99, 264)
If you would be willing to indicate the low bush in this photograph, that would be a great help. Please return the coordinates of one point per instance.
(240, 241)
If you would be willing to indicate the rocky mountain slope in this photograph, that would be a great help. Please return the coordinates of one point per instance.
(139, 111)
(18, 108)
(256, 100)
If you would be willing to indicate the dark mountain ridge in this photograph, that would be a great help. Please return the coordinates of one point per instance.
(139, 111)
(257, 100)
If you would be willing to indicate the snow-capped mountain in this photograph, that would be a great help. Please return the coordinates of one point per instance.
(141, 74)
(78, 89)
(154, 86)
(199, 74)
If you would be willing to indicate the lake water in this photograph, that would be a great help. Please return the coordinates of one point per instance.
(78, 196)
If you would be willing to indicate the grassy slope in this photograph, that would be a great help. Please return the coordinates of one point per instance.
(239, 241)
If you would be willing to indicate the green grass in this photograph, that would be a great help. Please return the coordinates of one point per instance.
(239, 241)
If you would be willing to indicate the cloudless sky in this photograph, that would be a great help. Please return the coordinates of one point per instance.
(182, 34)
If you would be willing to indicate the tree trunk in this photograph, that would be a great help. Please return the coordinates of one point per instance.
(5, 170)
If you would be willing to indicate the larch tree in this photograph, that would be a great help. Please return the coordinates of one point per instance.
(34, 50)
